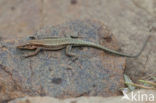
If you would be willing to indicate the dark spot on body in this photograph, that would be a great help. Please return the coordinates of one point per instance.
(56, 80)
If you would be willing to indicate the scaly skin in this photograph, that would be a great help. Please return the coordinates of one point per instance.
(60, 43)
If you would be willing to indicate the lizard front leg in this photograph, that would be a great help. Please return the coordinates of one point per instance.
(69, 53)
(33, 53)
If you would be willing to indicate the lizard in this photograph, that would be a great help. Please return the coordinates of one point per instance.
(58, 43)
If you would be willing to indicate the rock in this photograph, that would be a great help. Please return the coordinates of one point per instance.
(52, 73)
(130, 20)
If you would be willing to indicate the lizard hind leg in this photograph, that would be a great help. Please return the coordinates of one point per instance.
(74, 35)
(68, 51)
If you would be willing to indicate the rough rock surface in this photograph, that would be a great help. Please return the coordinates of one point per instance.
(147, 5)
(9, 88)
(52, 73)
(130, 20)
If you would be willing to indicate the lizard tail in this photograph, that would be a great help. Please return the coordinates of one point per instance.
(119, 53)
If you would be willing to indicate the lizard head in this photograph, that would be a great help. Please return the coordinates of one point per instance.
(28, 46)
